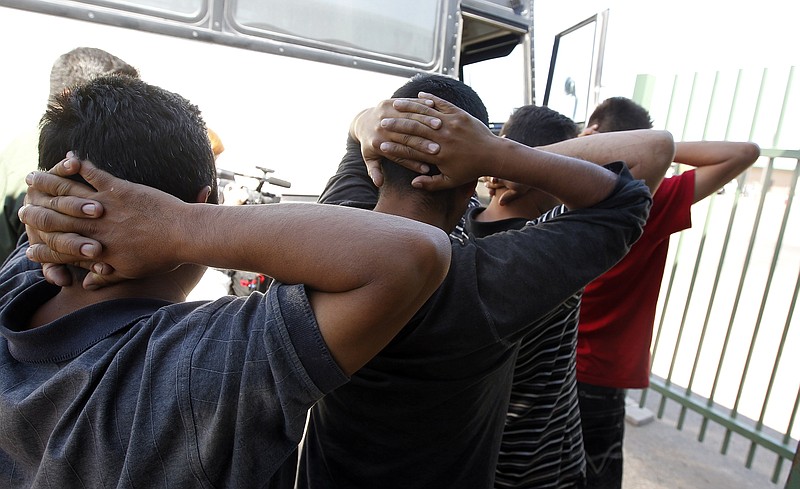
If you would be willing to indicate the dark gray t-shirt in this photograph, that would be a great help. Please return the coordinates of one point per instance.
(429, 409)
(143, 393)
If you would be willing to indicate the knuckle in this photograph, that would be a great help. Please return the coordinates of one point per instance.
(42, 221)
(51, 241)
(62, 187)
(36, 179)
(43, 254)
(64, 244)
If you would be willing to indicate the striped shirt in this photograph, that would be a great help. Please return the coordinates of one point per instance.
(542, 444)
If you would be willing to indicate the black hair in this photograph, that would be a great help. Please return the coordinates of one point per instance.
(133, 130)
(83, 64)
(533, 125)
(620, 114)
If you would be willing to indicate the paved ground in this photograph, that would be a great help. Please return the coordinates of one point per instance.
(659, 456)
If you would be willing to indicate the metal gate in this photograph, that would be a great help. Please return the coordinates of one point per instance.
(726, 341)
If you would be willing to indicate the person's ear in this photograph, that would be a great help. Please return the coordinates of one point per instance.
(466, 191)
(203, 194)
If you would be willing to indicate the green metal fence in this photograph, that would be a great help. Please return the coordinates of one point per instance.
(726, 338)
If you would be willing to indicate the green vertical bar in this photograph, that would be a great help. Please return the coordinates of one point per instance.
(741, 180)
(764, 190)
(787, 436)
(704, 424)
(784, 107)
(765, 186)
(793, 482)
(778, 245)
(760, 318)
(643, 90)
(690, 294)
(728, 233)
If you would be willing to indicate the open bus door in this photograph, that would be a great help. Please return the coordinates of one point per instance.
(576, 68)
(496, 56)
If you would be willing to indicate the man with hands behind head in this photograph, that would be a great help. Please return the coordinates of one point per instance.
(429, 410)
(542, 445)
(127, 385)
(618, 309)
(76, 66)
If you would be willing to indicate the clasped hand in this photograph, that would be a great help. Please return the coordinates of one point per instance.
(425, 131)
(105, 227)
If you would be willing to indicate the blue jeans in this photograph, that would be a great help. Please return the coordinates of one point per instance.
(603, 425)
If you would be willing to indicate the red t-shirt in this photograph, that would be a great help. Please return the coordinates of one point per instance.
(619, 307)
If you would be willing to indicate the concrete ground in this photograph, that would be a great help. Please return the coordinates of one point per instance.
(659, 456)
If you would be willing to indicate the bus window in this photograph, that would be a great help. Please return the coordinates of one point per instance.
(405, 30)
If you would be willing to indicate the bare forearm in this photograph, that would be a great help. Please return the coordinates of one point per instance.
(574, 182)
(328, 248)
(707, 153)
(647, 153)
(717, 162)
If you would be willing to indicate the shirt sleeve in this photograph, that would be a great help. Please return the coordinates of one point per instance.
(524, 274)
(672, 205)
(257, 368)
(351, 183)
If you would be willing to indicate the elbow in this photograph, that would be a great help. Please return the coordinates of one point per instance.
(745, 155)
(665, 150)
(751, 152)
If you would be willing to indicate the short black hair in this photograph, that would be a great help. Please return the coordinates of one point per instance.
(83, 64)
(534, 125)
(620, 114)
(133, 130)
(454, 91)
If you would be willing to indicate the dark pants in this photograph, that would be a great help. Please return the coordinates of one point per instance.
(603, 425)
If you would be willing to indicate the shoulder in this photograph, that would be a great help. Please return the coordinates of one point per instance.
(680, 187)
(279, 326)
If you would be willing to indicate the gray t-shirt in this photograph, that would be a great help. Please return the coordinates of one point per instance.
(144, 393)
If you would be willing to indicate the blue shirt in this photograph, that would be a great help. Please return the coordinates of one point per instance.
(144, 393)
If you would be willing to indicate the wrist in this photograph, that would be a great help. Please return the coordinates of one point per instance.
(192, 237)
(500, 157)
(354, 125)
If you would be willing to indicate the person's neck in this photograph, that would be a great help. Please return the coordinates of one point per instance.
(410, 209)
(169, 287)
(525, 207)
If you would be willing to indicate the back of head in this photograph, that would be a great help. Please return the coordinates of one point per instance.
(533, 125)
(133, 130)
(82, 64)
(620, 114)
(454, 91)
